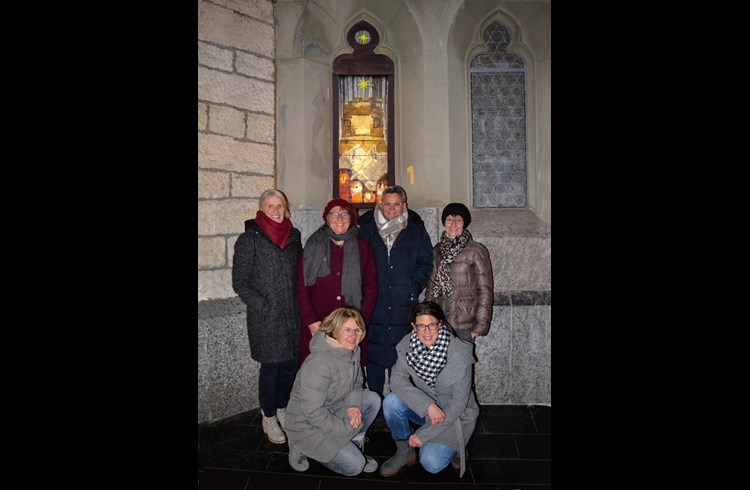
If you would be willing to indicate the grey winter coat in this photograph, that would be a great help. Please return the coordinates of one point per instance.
(453, 393)
(329, 382)
(469, 306)
(264, 276)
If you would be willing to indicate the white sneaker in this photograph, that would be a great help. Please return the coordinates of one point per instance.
(370, 466)
(273, 431)
(297, 460)
(281, 417)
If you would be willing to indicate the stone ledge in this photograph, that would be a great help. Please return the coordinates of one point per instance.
(216, 308)
(523, 298)
(233, 306)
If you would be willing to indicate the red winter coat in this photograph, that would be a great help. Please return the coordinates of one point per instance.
(320, 299)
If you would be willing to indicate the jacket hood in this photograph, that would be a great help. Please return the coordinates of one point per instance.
(250, 224)
(318, 344)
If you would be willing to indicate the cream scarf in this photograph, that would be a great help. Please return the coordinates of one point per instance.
(389, 229)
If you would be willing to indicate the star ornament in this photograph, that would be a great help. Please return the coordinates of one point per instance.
(363, 38)
(363, 83)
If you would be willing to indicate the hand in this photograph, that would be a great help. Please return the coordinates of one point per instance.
(355, 416)
(435, 413)
(314, 327)
(474, 335)
(414, 441)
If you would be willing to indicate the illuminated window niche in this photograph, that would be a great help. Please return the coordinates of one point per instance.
(363, 120)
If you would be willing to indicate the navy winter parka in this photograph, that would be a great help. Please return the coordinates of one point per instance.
(401, 279)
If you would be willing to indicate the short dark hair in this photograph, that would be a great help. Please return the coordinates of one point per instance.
(427, 308)
(395, 189)
(457, 209)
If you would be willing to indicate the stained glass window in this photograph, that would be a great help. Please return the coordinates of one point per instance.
(362, 117)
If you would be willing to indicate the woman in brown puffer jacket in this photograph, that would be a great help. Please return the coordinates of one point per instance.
(461, 281)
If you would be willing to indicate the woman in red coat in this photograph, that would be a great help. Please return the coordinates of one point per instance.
(337, 268)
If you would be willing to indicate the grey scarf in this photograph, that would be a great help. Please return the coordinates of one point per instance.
(389, 230)
(316, 262)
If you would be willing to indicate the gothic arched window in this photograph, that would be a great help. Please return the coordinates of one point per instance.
(498, 127)
(363, 145)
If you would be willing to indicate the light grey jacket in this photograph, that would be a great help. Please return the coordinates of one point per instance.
(329, 382)
(452, 393)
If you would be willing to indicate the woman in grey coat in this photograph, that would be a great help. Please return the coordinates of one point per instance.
(431, 386)
(329, 410)
(264, 275)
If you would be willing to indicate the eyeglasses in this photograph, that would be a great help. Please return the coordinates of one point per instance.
(341, 215)
(431, 326)
(457, 221)
(349, 331)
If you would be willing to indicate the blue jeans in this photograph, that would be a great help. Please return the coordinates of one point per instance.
(433, 457)
(275, 385)
(350, 461)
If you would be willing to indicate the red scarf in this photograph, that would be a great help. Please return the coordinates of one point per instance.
(277, 232)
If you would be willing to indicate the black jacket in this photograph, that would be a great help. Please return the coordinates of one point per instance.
(264, 277)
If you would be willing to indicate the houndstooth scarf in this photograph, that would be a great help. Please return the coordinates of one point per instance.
(428, 361)
(448, 251)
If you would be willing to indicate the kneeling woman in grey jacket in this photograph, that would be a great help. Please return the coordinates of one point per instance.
(431, 386)
(329, 411)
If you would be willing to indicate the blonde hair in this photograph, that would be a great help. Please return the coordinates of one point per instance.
(336, 319)
(280, 195)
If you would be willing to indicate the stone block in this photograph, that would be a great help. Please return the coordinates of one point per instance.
(215, 284)
(257, 9)
(224, 153)
(493, 351)
(307, 222)
(431, 222)
(519, 263)
(221, 26)
(226, 121)
(215, 57)
(211, 253)
(236, 90)
(227, 375)
(230, 249)
(202, 116)
(531, 356)
(213, 184)
(250, 185)
(225, 216)
(255, 66)
(261, 128)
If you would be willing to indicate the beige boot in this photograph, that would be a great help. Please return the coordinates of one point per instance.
(405, 456)
(271, 428)
(281, 417)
